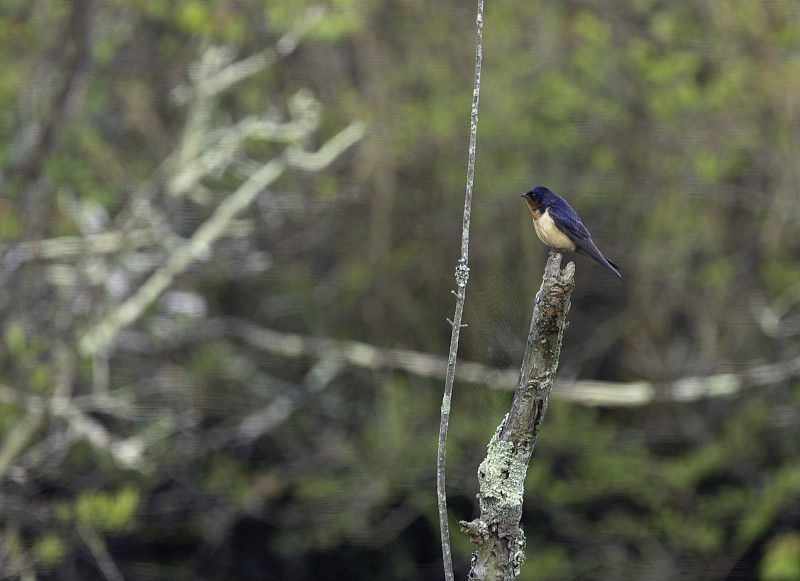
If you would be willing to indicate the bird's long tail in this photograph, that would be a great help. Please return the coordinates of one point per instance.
(591, 251)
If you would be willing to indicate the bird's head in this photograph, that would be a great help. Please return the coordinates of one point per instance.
(541, 196)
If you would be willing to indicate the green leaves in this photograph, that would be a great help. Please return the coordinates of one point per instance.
(781, 560)
(111, 512)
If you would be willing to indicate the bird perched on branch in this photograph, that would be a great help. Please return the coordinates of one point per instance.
(558, 226)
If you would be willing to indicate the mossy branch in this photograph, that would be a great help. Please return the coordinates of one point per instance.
(501, 476)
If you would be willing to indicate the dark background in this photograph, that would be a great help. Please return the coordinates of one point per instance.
(203, 441)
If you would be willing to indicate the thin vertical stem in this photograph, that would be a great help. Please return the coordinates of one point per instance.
(462, 276)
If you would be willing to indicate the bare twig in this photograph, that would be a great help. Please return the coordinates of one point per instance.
(462, 276)
(19, 435)
(99, 551)
(74, 246)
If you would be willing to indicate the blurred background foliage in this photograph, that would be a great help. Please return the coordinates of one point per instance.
(202, 441)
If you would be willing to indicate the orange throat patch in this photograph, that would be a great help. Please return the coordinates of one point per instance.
(534, 208)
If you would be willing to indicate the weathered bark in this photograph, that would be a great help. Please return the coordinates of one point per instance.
(501, 476)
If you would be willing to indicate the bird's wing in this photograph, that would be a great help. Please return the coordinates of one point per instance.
(569, 223)
(567, 220)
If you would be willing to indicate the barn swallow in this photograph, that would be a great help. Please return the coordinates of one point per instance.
(558, 226)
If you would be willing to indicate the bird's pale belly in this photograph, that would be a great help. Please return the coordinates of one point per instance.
(548, 233)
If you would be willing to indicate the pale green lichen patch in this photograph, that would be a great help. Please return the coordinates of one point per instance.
(502, 475)
(446, 404)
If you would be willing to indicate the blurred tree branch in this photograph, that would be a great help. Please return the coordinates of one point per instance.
(215, 73)
(114, 272)
(200, 164)
(98, 548)
(71, 56)
(585, 392)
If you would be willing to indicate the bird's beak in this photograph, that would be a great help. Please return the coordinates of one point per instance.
(523, 195)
